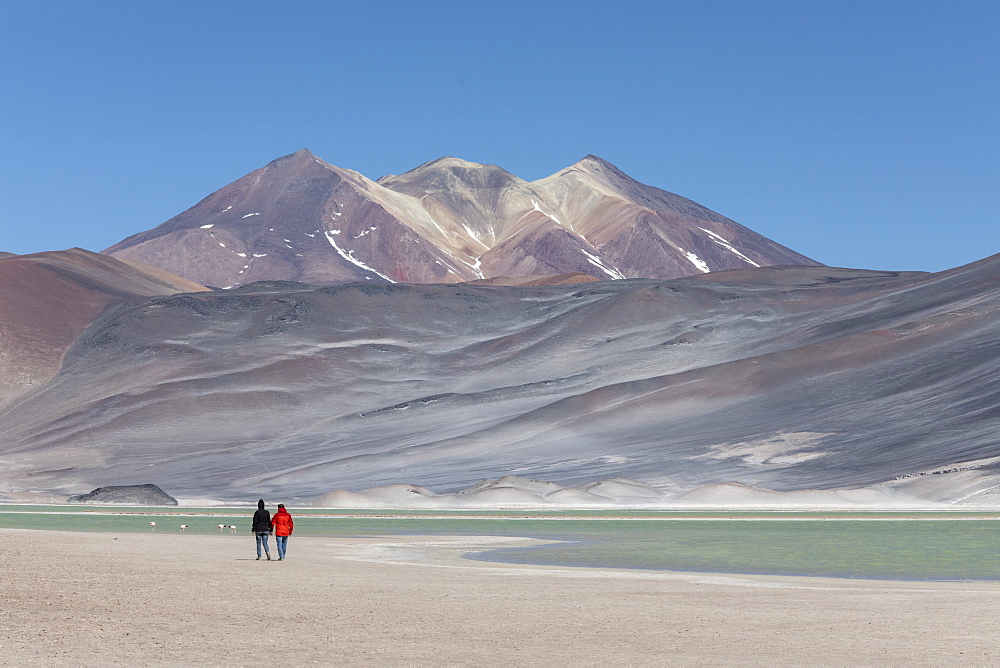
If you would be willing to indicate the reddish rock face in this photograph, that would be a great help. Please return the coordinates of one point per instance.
(302, 219)
(48, 299)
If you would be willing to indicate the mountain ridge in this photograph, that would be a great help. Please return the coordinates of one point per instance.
(447, 220)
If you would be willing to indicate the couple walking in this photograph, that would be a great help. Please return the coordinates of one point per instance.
(263, 524)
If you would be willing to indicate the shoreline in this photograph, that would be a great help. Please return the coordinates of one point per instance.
(927, 549)
(536, 513)
(452, 551)
(435, 550)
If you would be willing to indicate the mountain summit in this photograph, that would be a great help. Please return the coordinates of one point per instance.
(449, 220)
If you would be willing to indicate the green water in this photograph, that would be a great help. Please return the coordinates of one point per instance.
(935, 546)
(911, 550)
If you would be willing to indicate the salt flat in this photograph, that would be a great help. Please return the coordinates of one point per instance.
(170, 599)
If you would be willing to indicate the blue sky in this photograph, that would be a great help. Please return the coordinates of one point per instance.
(863, 134)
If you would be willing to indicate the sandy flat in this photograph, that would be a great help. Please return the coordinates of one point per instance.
(177, 599)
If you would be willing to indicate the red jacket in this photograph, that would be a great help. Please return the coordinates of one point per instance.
(282, 523)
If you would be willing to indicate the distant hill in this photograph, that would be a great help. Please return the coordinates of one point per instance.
(302, 219)
(48, 299)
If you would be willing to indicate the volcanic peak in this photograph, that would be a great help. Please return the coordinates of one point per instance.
(449, 220)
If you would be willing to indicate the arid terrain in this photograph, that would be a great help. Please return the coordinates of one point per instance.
(144, 599)
(457, 324)
(881, 384)
(48, 299)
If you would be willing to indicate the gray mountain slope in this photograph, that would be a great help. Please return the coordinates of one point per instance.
(785, 378)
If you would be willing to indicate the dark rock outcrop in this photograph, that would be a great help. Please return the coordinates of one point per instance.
(132, 495)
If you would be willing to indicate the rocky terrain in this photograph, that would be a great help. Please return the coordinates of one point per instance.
(133, 495)
(784, 378)
(302, 219)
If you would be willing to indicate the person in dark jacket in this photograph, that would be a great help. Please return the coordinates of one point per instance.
(262, 528)
(283, 526)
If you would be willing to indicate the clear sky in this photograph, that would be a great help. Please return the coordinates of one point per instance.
(862, 134)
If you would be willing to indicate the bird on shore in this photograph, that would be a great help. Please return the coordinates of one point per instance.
(153, 525)
(232, 528)
(221, 527)
(184, 526)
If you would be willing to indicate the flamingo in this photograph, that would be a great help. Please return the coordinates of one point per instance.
(184, 526)
(153, 525)
(221, 527)
(232, 528)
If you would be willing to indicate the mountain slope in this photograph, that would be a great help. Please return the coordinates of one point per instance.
(786, 378)
(449, 220)
(48, 299)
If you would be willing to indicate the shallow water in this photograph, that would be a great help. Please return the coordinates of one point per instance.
(909, 550)
(910, 546)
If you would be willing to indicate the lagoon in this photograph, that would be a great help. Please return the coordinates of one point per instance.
(934, 546)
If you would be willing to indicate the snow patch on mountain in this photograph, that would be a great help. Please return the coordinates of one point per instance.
(728, 246)
(547, 215)
(435, 223)
(695, 260)
(474, 236)
(599, 263)
(349, 255)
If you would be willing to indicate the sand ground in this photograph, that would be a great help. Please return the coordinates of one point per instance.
(176, 599)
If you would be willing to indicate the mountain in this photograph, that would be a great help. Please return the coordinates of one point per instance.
(48, 299)
(302, 219)
(786, 378)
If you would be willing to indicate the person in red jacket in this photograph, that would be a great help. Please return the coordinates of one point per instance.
(283, 526)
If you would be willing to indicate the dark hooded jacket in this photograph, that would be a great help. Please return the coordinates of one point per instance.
(261, 518)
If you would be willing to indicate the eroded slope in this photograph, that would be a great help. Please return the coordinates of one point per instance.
(786, 378)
